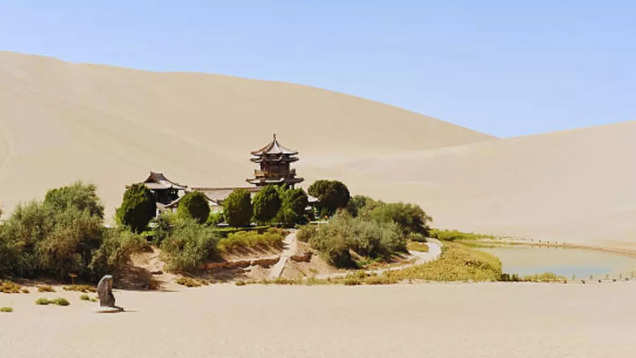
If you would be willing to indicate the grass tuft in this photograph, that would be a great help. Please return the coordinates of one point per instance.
(85, 297)
(9, 287)
(45, 288)
(80, 288)
(42, 301)
(6, 309)
(189, 282)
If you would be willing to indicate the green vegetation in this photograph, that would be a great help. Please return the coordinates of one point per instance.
(331, 194)
(61, 237)
(190, 282)
(138, 207)
(242, 240)
(411, 219)
(543, 277)
(80, 288)
(115, 250)
(343, 234)
(9, 287)
(42, 301)
(237, 208)
(416, 246)
(292, 210)
(187, 245)
(266, 204)
(85, 297)
(45, 288)
(194, 205)
(6, 309)
(457, 263)
(215, 218)
(60, 301)
(454, 235)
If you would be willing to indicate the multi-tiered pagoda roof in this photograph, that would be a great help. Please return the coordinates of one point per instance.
(274, 160)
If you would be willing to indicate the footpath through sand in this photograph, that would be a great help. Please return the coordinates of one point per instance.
(291, 247)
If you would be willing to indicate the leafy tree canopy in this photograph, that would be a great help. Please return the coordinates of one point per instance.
(194, 205)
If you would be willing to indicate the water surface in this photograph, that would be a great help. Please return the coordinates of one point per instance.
(562, 261)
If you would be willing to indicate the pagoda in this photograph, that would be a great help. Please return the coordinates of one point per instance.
(274, 160)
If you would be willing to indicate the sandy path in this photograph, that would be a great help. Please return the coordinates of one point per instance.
(434, 252)
(291, 246)
(434, 320)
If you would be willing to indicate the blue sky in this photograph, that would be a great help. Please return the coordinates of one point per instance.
(503, 67)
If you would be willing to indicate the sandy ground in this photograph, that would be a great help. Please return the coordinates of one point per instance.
(430, 320)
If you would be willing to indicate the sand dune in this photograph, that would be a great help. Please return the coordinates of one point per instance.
(60, 122)
(575, 186)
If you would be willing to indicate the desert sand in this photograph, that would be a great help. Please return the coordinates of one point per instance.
(433, 320)
(60, 122)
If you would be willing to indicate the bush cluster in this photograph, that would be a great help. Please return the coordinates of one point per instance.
(331, 194)
(138, 207)
(272, 204)
(344, 233)
(273, 237)
(62, 235)
(187, 245)
(194, 205)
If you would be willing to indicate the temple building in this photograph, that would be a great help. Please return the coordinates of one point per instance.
(165, 191)
(274, 160)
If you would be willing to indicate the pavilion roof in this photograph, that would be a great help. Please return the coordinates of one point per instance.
(274, 148)
(158, 181)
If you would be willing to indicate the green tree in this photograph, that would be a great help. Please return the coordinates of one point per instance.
(266, 204)
(194, 205)
(237, 208)
(137, 208)
(292, 210)
(409, 217)
(331, 194)
(78, 195)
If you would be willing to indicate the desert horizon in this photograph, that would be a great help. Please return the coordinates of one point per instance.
(343, 179)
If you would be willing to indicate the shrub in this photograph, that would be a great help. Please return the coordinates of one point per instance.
(60, 301)
(44, 241)
(215, 218)
(113, 254)
(79, 195)
(237, 208)
(137, 208)
(188, 246)
(366, 238)
(69, 245)
(80, 288)
(9, 287)
(356, 203)
(6, 309)
(331, 194)
(292, 210)
(251, 239)
(305, 232)
(410, 217)
(453, 235)
(45, 288)
(188, 282)
(42, 301)
(85, 297)
(266, 204)
(194, 205)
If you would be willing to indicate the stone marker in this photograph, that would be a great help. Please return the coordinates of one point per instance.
(105, 294)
